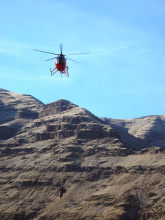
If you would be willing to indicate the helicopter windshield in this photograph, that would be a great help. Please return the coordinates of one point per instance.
(60, 60)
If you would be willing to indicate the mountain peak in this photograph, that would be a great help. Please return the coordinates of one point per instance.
(3, 90)
(57, 107)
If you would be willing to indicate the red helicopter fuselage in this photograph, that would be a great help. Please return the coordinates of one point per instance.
(60, 63)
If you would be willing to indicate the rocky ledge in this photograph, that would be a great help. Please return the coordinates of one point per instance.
(66, 120)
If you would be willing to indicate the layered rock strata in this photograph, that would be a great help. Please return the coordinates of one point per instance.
(110, 168)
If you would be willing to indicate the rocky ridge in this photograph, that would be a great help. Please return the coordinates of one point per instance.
(150, 129)
(109, 170)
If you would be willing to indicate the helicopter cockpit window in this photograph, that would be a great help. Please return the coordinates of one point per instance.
(58, 61)
(62, 61)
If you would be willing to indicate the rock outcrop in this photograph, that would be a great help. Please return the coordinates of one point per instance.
(57, 107)
(63, 119)
(110, 168)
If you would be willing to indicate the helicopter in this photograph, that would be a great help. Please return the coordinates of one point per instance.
(60, 61)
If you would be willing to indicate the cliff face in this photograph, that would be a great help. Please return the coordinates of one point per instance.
(63, 119)
(109, 171)
(56, 107)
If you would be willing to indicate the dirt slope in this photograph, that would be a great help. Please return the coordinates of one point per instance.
(109, 173)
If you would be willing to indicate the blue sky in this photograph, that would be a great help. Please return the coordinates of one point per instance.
(122, 77)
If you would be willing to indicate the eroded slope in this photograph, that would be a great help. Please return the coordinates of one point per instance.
(108, 173)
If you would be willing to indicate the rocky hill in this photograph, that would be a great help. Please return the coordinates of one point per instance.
(112, 169)
(150, 129)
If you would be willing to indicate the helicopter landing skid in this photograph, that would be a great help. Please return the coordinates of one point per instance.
(66, 71)
(55, 70)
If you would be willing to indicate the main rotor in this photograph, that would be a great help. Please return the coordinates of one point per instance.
(61, 54)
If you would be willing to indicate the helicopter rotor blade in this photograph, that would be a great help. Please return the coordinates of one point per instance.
(45, 52)
(61, 47)
(77, 54)
(72, 60)
(51, 59)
